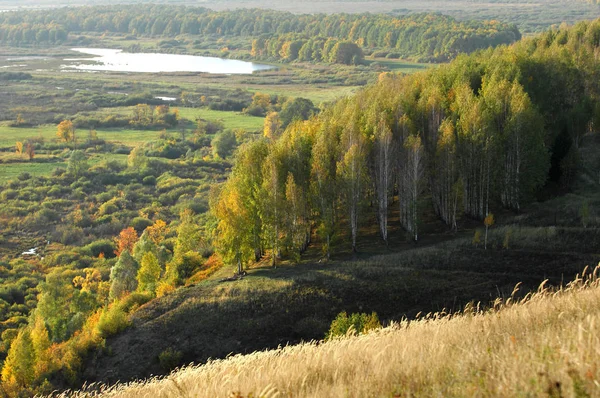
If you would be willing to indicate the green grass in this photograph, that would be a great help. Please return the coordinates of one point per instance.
(398, 65)
(10, 135)
(16, 166)
(231, 120)
(10, 171)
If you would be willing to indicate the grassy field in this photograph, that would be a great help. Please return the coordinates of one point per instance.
(10, 171)
(43, 165)
(231, 120)
(514, 349)
(398, 65)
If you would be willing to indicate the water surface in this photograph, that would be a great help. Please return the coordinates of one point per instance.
(119, 61)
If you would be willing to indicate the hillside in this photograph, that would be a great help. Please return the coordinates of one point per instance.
(545, 345)
(128, 199)
(294, 303)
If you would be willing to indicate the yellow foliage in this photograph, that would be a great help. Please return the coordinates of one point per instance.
(65, 131)
(489, 220)
(158, 231)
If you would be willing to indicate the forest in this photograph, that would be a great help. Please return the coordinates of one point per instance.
(488, 131)
(152, 220)
(279, 35)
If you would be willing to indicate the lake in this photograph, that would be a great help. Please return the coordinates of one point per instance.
(119, 61)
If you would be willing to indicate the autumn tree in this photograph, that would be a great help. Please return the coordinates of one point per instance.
(157, 231)
(272, 126)
(249, 172)
(30, 150)
(126, 240)
(149, 274)
(66, 131)
(352, 177)
(18, 371)
(44, 362)
(383, 166)
(189, 241)
(137, 158)
(19, 148)
(488, 222)
(412, 175)
(448, 186)
(273, 201)
(234, 239)
(324, 183)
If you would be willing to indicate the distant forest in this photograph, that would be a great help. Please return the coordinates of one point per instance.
(281, 35)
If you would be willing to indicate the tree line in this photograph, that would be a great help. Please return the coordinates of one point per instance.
(487, 131)
(428, 36)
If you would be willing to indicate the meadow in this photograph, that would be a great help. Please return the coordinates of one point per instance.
(519, 347)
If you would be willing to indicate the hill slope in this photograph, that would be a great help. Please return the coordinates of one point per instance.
(547, 344)
(295, 303)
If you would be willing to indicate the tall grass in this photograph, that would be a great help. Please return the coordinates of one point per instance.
(546, 344)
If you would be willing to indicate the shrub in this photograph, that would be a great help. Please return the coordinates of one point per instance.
(9, 194)
(359, 323)
(104, 246)
(112, 321)
(134, 300)
(149, 181)
(68, 234)
(24, 176)
(169, 359)
(140, 224)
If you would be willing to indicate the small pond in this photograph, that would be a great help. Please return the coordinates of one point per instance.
(119, 61)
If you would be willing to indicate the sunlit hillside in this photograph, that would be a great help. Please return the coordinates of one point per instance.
(546, 344)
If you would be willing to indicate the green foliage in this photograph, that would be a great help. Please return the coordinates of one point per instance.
(140, 224)
(169, 359)
(359, 323)
(123, 276)
(149, 273)
(100, 247)
(308, 37)
(224, 144)
(112, 321)
(77, 164)
(18, 369)
(298, 109)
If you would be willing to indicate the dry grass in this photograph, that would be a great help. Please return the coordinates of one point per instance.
(546, 344)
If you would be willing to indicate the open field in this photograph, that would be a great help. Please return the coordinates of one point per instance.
(512, 350)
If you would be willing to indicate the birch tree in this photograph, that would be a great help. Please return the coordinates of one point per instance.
(413, 175)
(352, 176)
(383, 149)
(324, 184)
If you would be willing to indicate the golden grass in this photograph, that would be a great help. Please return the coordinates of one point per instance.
(546, 344)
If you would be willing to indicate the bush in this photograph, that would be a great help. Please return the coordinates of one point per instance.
(140, 224)
(9, 194)
(149, 181)
(68, 234)
(24, 176)
(112, 321)
(169, 359)
(103, 246)
(359, 323)
(134, 300)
